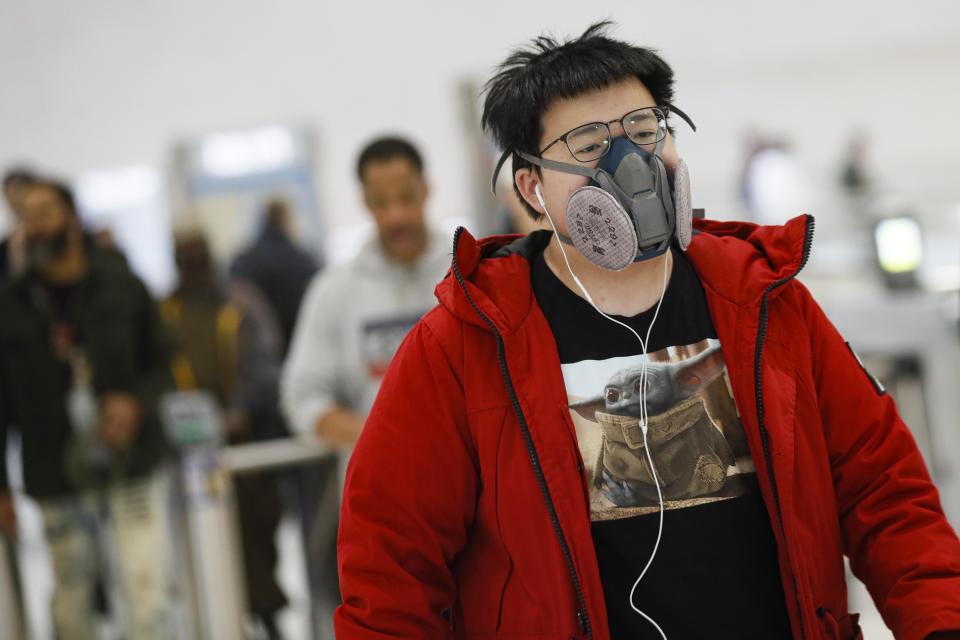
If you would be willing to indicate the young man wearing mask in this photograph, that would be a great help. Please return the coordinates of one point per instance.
(631, 426)
(83, 362)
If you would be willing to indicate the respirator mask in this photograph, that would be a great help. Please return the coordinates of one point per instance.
(632, 208)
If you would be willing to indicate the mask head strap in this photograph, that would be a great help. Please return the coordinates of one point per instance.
(496, 171)
(546, 164)
(565, 167)
(680, 113)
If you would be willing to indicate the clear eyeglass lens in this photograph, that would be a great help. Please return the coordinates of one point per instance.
(645, 126)
(589, 142)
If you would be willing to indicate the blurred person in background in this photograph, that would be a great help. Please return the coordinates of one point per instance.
(281, 271)
(276, 266)
(773, 187)
(12, 252)
(228, 343)
(354, 316)
(856, 181)
(104, 239)
(854, 175)
(83, 362)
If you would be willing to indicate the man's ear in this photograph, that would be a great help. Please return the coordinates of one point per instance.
(527, 182)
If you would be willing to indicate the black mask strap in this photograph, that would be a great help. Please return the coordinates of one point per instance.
(680, 113)
(496, 171)
(565, 167)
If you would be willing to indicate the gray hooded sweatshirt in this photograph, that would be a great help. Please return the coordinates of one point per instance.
(351, 322)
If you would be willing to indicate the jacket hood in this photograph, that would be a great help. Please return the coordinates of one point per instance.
(741, 260)
(737, 260)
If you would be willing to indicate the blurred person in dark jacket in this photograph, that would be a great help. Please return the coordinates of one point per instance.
(854, 174)
(278, 268)
(82, 365)
(12, 258)
(228, 343)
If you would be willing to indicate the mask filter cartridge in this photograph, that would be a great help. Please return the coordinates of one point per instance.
(682, 204)
(600, 229)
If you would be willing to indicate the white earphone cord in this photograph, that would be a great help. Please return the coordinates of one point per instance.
(643, 395)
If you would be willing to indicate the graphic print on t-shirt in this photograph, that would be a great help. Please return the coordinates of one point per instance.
(381, 338)
(697, 442)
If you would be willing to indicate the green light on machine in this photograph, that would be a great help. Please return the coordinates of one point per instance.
(899, 245)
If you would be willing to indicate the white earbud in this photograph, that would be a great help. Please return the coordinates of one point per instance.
(536, 190)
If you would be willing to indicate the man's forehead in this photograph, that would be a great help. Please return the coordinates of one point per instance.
(600, 105)
(40, 194)
(388, 170)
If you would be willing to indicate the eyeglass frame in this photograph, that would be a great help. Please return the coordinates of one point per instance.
(664, 111)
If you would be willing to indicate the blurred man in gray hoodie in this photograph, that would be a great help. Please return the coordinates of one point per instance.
(354, 316)
(351, 322)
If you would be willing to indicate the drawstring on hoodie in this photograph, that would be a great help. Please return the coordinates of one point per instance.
(826, 614)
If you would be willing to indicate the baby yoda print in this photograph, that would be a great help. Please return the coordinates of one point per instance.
(691, 457)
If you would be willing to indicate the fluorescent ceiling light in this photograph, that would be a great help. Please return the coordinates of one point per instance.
(114, 189)
(241, 153)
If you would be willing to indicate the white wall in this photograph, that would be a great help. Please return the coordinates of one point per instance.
(103, 83)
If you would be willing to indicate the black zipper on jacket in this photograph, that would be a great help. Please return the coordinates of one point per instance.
(758, 385)
(583, 619)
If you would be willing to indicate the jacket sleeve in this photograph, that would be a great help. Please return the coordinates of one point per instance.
(895, 532)
(153, 380)
(155, 351)
(409, 500)
(143, 370)
(308, 382)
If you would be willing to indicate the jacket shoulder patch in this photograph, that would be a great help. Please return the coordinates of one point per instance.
(877, 385)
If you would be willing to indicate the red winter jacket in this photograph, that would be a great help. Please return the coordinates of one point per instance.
(466, 510)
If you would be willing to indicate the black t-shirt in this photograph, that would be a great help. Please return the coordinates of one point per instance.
(715, 573)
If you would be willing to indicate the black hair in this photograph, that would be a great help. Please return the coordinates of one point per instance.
(276, 211)
(18, 175)
(388, 148)
(532, 78)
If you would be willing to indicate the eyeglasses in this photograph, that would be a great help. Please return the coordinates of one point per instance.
(591, 141)
(643, 127)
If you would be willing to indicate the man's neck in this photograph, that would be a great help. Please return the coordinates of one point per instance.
(406, 260)
(623, 293)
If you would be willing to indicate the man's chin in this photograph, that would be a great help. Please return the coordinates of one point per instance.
(406, 248)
